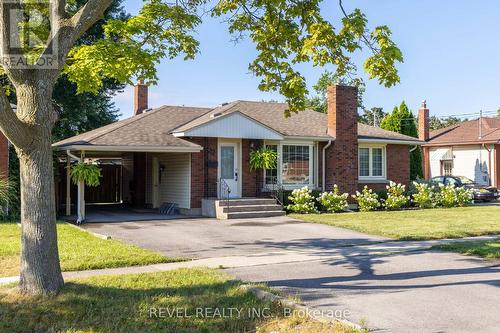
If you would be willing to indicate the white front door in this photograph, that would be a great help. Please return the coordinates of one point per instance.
(228, 168)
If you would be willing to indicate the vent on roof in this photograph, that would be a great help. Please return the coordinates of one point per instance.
(215, 115)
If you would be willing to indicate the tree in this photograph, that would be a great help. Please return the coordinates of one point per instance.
(373, 116)
(43, 46)
(402, 120)
(318, 101)
(436, 123)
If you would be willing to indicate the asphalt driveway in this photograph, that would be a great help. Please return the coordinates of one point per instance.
(390, 286)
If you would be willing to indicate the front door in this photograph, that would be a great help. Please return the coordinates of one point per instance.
(228, 168)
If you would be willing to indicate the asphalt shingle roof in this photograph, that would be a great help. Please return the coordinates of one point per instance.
(468, 132)
(154, 128)
(305, 123)
(149, 129)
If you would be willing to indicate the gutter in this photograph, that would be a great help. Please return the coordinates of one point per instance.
(323, 162)
(413, 149)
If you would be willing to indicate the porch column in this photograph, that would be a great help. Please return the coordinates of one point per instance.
(81, 196)
(68, 186)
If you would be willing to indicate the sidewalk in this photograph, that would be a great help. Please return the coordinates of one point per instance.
(271, 258)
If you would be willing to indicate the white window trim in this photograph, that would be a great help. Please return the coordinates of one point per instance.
(370, 162)
(280, 145)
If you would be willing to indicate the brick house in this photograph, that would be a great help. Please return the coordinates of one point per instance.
(182, 155)
(470, 149)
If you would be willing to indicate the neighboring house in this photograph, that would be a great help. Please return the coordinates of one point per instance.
(179, 154)
(470, 149)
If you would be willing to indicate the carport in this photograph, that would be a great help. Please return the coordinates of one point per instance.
(136, 182)
(145, 169)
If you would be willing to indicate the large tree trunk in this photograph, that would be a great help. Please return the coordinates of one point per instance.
(40, 268)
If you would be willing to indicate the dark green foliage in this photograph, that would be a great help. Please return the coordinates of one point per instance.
(402, 120)
(318, 101)
(436, 123)
(373, 116)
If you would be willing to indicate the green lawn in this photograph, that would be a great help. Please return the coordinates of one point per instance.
(147, 303)
(486, 249)
(78, 250)
(417, 224)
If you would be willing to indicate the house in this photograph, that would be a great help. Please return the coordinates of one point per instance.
(189, 155)
(470, 149)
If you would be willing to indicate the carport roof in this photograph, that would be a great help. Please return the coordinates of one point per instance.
(149, 131)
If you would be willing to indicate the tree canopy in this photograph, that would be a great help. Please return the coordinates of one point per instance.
(402, 120)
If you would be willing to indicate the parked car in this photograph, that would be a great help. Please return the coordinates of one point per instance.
(479, 192)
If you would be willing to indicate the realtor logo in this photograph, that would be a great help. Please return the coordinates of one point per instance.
(28, 28)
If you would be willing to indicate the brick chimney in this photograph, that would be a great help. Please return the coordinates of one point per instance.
(423, 134)
(423, 122)
(140, 97)
(341, 162)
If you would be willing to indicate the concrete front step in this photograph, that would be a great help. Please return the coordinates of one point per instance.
(246, 202)
(244, 215)
(251, 208)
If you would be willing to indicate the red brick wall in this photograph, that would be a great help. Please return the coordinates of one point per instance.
(398, 167)
(252, 180)
(342, 155)
(203, 167)
(4, 156)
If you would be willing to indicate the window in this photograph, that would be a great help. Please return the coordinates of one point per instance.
(271, 175)
(296, 165)
(371, 162)
(447, 167)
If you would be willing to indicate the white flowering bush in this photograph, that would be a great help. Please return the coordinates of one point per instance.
(424, 195)
(334, 202)
(366, 199)
(463, 196)
(446, 197)
(396, 198)
(302, 201)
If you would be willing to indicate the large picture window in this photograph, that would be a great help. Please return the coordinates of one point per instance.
(296, 164)
(372, 162)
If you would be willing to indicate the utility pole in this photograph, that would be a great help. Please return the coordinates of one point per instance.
(480, 122)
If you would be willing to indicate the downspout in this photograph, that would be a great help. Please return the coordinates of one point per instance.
(323, 164)
(413, 149)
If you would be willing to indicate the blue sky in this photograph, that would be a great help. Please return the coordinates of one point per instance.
(451, 50)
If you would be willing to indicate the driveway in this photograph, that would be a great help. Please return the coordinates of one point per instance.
(391, 286)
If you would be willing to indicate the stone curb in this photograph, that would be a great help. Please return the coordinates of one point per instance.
(268, 296)
(105, 237)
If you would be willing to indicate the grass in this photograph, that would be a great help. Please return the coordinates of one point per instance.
(417, 224)
(133, 303)
(78, 250)
(489, 249)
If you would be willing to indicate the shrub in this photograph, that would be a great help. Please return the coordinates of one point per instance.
(7, 196)
(367, 200)
(463, 197)
(446, 197)
(333, 201)
(302, 201)
(424, 195)
(395, 196)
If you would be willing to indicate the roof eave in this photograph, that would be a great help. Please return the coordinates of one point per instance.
(145, 149)
(391, 141)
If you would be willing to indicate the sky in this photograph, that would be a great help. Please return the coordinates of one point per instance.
(451, 50)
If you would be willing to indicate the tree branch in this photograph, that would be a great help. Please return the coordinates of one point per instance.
(87, 16)
(14, 129)
(58, 9)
